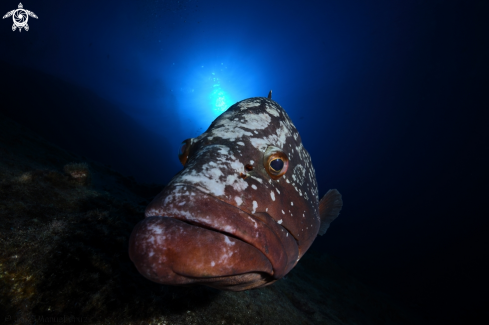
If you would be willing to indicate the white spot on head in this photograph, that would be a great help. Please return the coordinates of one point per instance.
(279, 222)
(251, 162)
(210, 179)
(278, 191)
(255, 205)
(258, 179)
(240, 143)
(248, 103)
(253, 186)
(272, 195)
(238, 200)
(272, 111)
(213, 263)
(283, 212)
(291, 203)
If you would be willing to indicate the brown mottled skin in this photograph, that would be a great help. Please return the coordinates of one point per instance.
(228, 220)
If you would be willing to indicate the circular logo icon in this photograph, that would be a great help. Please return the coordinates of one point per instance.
(20, 17)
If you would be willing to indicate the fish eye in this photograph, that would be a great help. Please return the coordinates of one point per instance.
(183, 151)
(275, 162)
(277, 165)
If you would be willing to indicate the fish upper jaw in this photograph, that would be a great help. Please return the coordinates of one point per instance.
(190, 205)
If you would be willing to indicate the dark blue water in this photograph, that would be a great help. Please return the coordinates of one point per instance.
(390, 98)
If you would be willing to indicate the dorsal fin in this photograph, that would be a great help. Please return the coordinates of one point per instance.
(329, 208)
(270, 95)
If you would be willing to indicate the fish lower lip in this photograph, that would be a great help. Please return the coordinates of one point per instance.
(170, 251)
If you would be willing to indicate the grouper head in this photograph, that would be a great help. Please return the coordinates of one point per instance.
(243, 210)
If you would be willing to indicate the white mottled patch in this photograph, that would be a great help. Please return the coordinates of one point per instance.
(251, 162)
(258, 179)
(278, 138)
(155, 229)
(279, 222)
(272, 111)
(227, 241)
(255, 205)
(261, 144)
(248, 103)
(253, 186)
(272, 195)
(238, 200)
(299, 174)
(256, 225)
(211, 177)
(229, 229)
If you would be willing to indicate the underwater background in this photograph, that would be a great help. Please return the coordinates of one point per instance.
(390, 99)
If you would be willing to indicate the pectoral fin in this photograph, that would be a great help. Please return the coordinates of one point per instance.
(329, 208)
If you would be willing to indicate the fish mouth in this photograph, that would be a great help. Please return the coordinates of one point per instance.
(170, 251)
(261, 249)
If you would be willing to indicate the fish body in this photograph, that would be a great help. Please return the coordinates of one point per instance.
(243, 210)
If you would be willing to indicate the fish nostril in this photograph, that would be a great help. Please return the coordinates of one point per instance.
(243, 176)
(249, 167)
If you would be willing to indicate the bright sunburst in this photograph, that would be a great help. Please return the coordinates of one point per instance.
(220, 100)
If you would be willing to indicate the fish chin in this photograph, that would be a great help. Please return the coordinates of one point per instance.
(170, 251)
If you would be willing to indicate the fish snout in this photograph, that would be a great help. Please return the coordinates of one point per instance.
(173, 252)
